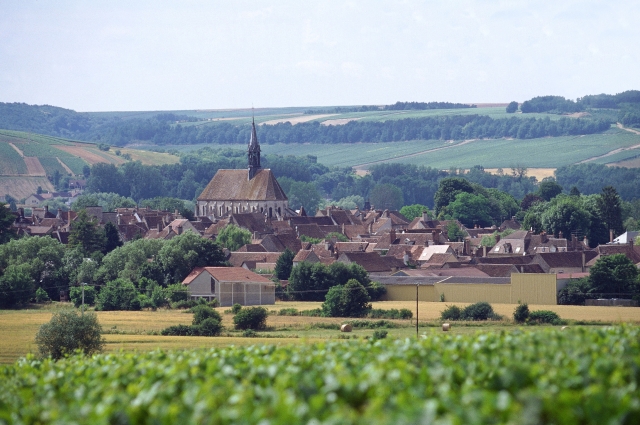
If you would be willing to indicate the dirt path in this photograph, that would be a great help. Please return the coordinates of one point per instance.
(615, 151)
(363, 165)
(17, 150)
(65, 167)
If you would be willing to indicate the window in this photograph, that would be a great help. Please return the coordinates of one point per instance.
(213, 286)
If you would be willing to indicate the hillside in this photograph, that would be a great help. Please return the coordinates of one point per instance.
(28, 159)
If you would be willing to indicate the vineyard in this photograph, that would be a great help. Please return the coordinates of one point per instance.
(578, 375)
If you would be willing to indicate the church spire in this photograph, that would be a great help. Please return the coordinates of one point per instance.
(253, 151)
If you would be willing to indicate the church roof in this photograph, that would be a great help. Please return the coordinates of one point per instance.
(234, 185)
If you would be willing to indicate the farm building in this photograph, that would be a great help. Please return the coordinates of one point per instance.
(230, 285)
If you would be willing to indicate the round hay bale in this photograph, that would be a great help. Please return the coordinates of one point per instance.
(346, 328)
(446, 327)
(564, 327)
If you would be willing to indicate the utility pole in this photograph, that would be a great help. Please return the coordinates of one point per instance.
(83, 285)
(417, 286)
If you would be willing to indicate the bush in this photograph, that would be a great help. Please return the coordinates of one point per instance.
(160, 296)
(477, 311)
(380, 334)
(184, 304)
(178, 292)
(178, 330)
(146, 302)
(208, 327)
(575, 292)
(316, 312)
(376, 291)
(288, 312)
(452, 312)
(249, 333)
(521, 313)
(69, 331)
(42, 296)
(370, 324)
(119, 294)
(235, 309)
(202, 312)
(75, 294)
(350, 300)
(393, 313)
(251, 318)
(544, 316)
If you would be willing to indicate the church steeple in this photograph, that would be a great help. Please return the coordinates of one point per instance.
(253, 152)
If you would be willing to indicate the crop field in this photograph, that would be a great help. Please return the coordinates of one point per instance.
(138, 330)
(52, 164)
(543, 375)
(10, 161)
(22, 186)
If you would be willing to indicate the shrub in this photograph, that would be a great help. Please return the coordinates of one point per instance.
(451, 312)
(350, 300)
(160, 296)
(178, 292)
(146, 302)
(249, 333)
(208, 327)
(119, 294)
(521, 313)
(316, 312)
(380, 334)
(183, 304)
(288, 312)
(42, 296)
(477, 311)
(75, 294)
(235, 309)
(371, 324)
(202, 312)
(575, 292)
(178, 330)
(544, 316)
(376, 291)
(251, 318)
(69, 331)
(393, 313)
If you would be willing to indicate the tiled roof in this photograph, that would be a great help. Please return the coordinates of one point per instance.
(227, 274)
(252, 247)
(237, 258)
(253, 222)
(497, 270)
(234, 185)
(370, 261)
(566, 259)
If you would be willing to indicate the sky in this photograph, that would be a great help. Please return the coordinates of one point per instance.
(175, 55)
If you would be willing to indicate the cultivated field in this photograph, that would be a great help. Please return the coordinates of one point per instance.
(137, 330)
(23, 186)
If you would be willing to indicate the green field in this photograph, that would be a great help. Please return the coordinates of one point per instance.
(10, 161)
(578, 375)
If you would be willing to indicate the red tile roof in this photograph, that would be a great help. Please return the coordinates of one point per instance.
(227, 274)
(234, 185)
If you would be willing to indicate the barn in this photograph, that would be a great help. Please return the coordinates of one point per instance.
(230, 285)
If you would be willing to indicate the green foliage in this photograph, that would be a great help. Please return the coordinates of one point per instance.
(454, 232)
(129, 260)
(477, 311)
(86, 233)
(350, 202)
(493, 377)
(339, 237)
(16, 286)
(549, 189)
(203, 312)
(610, 209)
(181, 254)
(309, 239)
(42, 296)
(512, 107)
(379, 334)
(69, 331)
(233, 237)
(109, 201)
(386, 196)
(235, 309)
(402, 314)
(178, 292)
(112, 237)
(553, 104)
(575, 292)
(376, 290)
(310, 282)
(539, 317)
(209, 327)
(448, 189)
(349, 300)
(251, 318)
(613, 276)
(521, 313)
(284, 264)
(119, 294)
(451, 312)
(414, 211)
(301, 194)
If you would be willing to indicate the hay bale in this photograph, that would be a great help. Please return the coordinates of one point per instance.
(346, 328)
(446, 327)
(564, 327)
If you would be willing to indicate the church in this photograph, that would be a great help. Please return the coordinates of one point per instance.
(255, 190)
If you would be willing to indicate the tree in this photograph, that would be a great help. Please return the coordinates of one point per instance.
(528, 200)
(233, 237)
(454, 232)
(284, 264)
(512, 107)
(349, 300)
(108, 201)
(251, 318)
(613, 276)
(549, 189)
(129, 260)
(184, 252)
(112, 237)
(448, 189)
(565, 215)
(301, 194)
(16, 286)
(414, 211)
(575, 292)
(106, 178)
(69, 331)
(119, 294)
(309, 282)
(6, 222)
(86, 233)
(387, 197)
(470, 209)
(610, 209)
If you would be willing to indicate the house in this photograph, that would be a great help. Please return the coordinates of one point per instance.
(255, 190)
(230, 285)
(372, 262)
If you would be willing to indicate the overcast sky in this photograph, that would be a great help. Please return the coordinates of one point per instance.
(160, 55)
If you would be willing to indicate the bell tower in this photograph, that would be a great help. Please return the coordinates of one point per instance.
(253, 152)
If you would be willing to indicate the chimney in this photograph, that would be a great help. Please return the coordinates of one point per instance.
(484, 250)
(256, 235)
(21, 210)
(59, 215)
(343, 228)
(406, 257)
(159, 226)
(434, 237)
(392, 236)
(610, 235)
(586, 242)
(631, 242)
(466, 246)
(583, 261)
(46, 211)
(560, 234)
(425, 216)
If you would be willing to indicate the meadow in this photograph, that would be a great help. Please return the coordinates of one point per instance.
(139, 330)
(535, 375)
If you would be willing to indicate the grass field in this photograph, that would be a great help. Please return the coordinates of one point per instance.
(10, 160)
(137, 330)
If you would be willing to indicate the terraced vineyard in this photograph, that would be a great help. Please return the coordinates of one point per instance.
(586, 376)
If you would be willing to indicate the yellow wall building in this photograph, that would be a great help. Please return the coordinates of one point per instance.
(530, 288)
